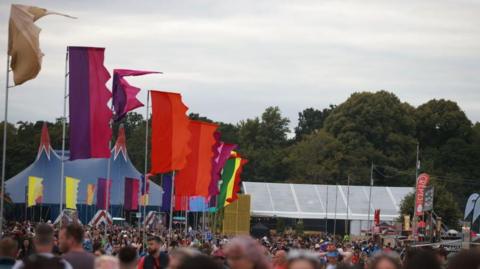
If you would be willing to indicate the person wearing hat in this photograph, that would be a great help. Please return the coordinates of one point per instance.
(332, 259)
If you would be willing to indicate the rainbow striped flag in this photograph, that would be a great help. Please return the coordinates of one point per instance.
(230, 180)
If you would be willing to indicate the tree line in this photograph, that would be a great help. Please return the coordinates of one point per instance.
(328, 145)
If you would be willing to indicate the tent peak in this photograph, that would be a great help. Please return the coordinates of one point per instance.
(120, 144)
(44, 142)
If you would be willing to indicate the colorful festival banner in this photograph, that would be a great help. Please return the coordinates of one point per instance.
(71, 192)
(34, 191)
(221, 154)
(170, 132)
(103, 192)
(422, 183)
(124, 95)
(167, 192)
(89, 126)
(90, 193)
(23, 41)
(230, 176)
(131, 194)
(195, 178)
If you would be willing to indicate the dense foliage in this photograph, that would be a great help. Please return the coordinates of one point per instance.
(329, 144)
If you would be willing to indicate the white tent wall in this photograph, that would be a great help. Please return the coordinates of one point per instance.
(309, 201)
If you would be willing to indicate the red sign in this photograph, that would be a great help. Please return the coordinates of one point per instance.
(422, 183)
(376, 218)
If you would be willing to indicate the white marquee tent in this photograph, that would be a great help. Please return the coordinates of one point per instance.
(308, 201)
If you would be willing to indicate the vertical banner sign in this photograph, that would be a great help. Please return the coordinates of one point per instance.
(428, 203)
(422, 183)
(406, 222)
(376, 218)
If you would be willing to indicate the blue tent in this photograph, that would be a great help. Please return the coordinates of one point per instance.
(47, 165)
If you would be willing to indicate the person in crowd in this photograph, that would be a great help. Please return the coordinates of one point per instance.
(26, 249)
(332, 260)
(128, 257)
(385, 261)
(178, 255)
(442, 254)
(8, 252)
(71, 239)
(280, 259)
(298, 259)
(44, 243)
(156, 259)
(43, 262)
(244, 252)
(99, 252)
(106, 262)
(418, 258)
(465, 259)
(199, 262)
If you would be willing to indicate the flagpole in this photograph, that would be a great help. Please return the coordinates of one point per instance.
(326, 212)
(335, 218)
(108, 171)
(348, 206)
(370, 199)
(4, 149)
(172, 200)
(145, 171)
(414, 216)
(64, 119)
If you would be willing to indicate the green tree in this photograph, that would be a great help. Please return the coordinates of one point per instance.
(375, 127)
(310, 120)
(316, 159)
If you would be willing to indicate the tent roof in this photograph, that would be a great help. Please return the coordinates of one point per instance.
(48, 164)
(308, 201)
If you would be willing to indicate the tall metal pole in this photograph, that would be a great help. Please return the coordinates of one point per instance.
(172, 201)
(370, 199)
(335, 218)
(109, 162)
(145, 171)
(348, 206)
(326, 212)
(4, 150)
(414, 216)
(64, 124)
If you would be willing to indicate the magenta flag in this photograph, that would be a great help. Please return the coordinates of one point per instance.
(103, 193)
(221, 154)
(89, 126)
(131, 194)
(125, 95)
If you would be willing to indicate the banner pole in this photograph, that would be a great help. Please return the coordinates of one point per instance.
(370, 200)
(172, 200)
(347, 230)
(109, 162)
(326, 211)
(64, 119)
(414, 215)
(4, 149)
(145, 172)
(335, 218)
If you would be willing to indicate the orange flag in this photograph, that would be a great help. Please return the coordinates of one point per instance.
(195, 178)
(170, 133)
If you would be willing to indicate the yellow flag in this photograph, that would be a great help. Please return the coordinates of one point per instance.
(71, 190)
(143, 200)
(23, 44)
(35, 190)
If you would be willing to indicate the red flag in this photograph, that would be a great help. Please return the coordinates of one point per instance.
(195, 178)
(170, 133)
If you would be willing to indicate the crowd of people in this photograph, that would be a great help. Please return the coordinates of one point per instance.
(73, 246)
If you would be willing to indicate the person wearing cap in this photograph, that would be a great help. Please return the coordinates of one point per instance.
(332, 259)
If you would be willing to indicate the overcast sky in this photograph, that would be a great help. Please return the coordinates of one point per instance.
(232, 59)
